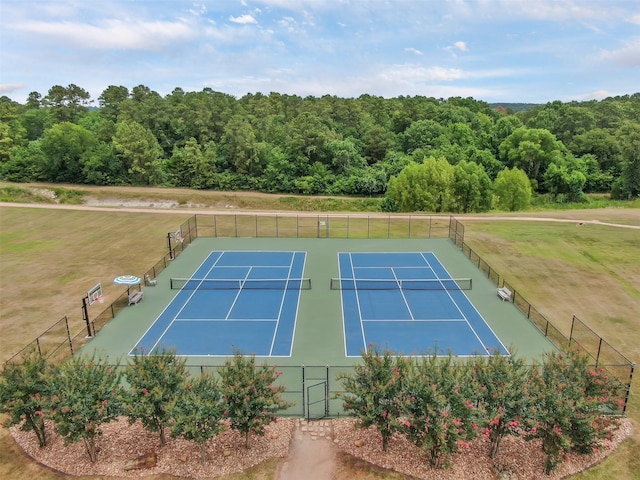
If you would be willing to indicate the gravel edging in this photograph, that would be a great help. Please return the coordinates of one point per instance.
(121, 442)
(516, 459)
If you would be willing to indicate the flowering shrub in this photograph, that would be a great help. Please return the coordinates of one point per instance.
(197, 412)
(251, 399)
(502, 395)
(439, 416)
(567, 401)
(24, 388)
(154, 383)
(85, 394)
(373, 393)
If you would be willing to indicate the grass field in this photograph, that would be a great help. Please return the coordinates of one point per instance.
(49, 258)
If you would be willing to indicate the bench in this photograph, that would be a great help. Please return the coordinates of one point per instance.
(150, 282)
(135, 297)
(504, 293)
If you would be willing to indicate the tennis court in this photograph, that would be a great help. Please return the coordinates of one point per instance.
(235, 301)
(408, 303)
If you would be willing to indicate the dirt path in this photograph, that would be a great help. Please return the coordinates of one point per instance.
(631, 215)
(312, 454)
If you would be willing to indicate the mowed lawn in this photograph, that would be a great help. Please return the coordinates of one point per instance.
(588, 270)
(49, 258)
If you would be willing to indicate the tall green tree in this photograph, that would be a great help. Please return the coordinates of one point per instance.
(191, 165)
(512, 189)
(140, 153)
(65, 147)
(472, 188)
(240, 146)
(629, 139)
(559, 181)
(68, 103)
(531, 150)
(426, 186)
(110, 100)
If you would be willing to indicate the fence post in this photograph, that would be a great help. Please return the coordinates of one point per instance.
(327, 393)
(85, 315)
(626, 398)
(304, 404)
(66, 323)
(573, 322)
(598, 354)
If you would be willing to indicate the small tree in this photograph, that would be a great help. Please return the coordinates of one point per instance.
(373, 392)
(24, 388)
(86, 395)
(502, 386)
(251, 399)
(197, 412)
(154, 383)
(567, 401)
(439, 414)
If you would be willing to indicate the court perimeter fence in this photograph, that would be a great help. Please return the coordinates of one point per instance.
(57, 342)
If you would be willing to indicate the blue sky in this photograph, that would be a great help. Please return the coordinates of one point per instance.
(493, 50)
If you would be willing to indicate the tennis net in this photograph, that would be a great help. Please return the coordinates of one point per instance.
(238, 284)
(399, 284)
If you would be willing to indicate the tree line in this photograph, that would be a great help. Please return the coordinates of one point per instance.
(419, 153)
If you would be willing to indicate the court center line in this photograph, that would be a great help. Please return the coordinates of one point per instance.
(238, 294)
(402, 292)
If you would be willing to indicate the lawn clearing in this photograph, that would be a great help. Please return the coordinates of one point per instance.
(49, 258)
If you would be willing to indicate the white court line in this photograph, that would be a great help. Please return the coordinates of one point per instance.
(183, 306)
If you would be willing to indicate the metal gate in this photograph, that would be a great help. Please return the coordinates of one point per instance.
(315, 385)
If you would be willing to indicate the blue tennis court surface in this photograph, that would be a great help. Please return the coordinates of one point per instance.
(235, 301)
(406, 302)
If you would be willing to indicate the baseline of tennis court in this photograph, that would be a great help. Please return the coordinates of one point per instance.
(243, 301)
(408, 303)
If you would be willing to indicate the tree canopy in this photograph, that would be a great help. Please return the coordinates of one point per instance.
(320, 145)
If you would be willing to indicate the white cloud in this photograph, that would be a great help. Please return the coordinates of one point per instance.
(459, 46)
(116, 34)
(198, 9)
(462, 46)
(243, 19)
(11, 87)
(413, 50)
(408, 73)
(628, 55)
(553, 10)
(597, 95)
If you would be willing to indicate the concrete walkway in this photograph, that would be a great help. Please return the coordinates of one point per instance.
(312, 455)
